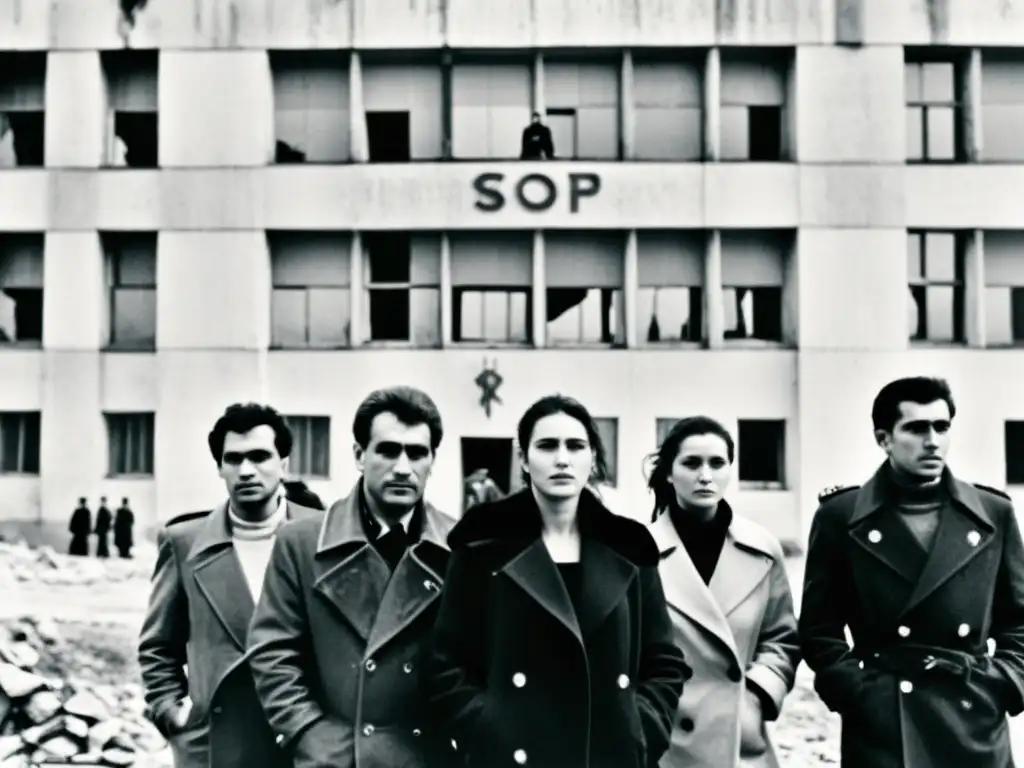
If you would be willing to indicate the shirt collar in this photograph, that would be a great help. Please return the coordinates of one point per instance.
(374, 527)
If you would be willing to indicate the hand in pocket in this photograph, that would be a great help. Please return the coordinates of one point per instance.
(752, 742)
(182, 713)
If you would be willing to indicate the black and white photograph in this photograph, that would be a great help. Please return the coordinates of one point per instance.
(511, 383)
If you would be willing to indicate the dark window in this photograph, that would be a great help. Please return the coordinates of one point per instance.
(19, 442)
(311, 451)
(1014, 437)
(130, 443)
(765, 137)
(762, 452)
(388, 134)
(138, 131)
(755, 313)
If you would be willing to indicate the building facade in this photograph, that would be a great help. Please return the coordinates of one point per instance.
(760, 210)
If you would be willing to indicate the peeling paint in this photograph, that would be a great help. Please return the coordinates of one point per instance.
(938, 20)
(234, 23)
(130, 9)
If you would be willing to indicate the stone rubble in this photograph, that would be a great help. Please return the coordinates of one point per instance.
(49, 721)
(21, 564)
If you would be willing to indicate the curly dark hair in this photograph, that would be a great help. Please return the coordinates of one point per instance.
(242, 417)
(409, 405)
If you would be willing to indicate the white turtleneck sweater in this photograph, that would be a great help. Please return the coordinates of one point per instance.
(253, 542)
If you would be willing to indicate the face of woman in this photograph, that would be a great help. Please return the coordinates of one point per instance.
(701, 471)
(558, 457)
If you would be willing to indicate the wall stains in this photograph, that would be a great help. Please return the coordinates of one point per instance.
(938, 20)
(130, 9)
(726, 14)
(849, 22)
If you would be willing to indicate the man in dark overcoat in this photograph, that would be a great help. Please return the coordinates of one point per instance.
(924, 570)
(104, 522)
(350, 599)
(124, 520)
(80, 527)
(208, 576)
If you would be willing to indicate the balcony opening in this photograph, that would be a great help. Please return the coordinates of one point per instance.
(311, 106)
(22, 97)
(762, 454)
(765, 133)
(388, 134)
(133, 117)
(21, 289)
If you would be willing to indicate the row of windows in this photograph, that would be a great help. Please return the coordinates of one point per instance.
(130, 438)
(476, 109)
(492, 298)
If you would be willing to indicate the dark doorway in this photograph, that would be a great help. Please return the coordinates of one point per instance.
(493, 454)
(388, 134)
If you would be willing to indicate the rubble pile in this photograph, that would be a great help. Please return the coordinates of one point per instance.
(21, 564)
(51, 720)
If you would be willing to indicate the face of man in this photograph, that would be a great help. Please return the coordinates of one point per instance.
(395, 463)
(251, 466)
(919, 440)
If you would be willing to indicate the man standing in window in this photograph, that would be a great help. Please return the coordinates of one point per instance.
(924, 569)
(350, 599)
(208, 577)
(537, 142)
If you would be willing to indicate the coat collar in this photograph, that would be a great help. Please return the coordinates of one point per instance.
(218, 572)
(748, 554)
(343, 524)
(876, 493)
(611, 551)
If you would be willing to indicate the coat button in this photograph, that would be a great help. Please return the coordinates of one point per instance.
(518, 679)
(623, 681)
(860, 664)
(734, 674)
(965, 703)
(874, 536)
(906, 686)
(416, 731)
(368, 729)
(903, 631)
(217, 710)
(963, 630)
(407, 667)
(370, 665)
(279, 739)
(519, 756)
(686, 724)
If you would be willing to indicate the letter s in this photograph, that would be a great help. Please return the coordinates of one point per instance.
(489, 197)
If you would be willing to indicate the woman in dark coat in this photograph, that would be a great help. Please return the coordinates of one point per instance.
(553, 646)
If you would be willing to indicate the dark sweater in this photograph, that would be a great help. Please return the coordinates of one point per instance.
(919, 508)
(702, 537)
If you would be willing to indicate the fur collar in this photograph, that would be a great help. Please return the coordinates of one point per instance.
(515, 522)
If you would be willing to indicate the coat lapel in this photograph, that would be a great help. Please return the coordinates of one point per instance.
(965, 531)
(876, 528)
(348, 572)
(742, 566)
(415, 584)
(219, 576)
(607, 576)
(536, 573)
(684, 588)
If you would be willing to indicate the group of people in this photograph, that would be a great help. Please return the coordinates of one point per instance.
(121, 523)
(541, 629)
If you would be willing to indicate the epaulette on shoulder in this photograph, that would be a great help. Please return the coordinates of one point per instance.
(835, 490)
(184, 518)
(990, 489)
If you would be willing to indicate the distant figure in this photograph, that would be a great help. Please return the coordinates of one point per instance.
(298, 492)
(537, 143)
(80, 528)
(104, 521)
(124, 521)
(480, 487)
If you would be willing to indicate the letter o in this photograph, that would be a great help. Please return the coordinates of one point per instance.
(549, 197)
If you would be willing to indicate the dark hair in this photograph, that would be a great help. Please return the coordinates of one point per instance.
(662, 459)
(549, 406)
(243, 417)
(885, 411)
(409, 405)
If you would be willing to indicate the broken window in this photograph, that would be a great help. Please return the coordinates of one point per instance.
(133, 113)
(584, 273)
(311, 449)
(753, 276)
(935, 269)
(492, 274)
(19, 442)
(754, 115)
(22, 108)
(129, 443)
(404, 108)
(131, 260)
(761, 453)
(935, 130)
(403, 297)
(608, 429)
(311, 106)
(669, 302)
(21, 288)
(310, 305)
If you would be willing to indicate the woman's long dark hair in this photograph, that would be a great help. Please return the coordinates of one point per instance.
(549, 406)
(660, 461)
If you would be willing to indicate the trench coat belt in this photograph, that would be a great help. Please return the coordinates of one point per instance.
(914, 661)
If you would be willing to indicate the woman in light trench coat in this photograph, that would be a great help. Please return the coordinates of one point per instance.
(730, 602)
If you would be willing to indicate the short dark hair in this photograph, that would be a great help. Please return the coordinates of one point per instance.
(662, 459)
(885, 411)
(409, 405)
(549, 406)
(243, 417)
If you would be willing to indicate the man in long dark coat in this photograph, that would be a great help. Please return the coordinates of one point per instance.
(104, 522)
(349, 602)
(80, 527)
(924, 570)
(124, 520)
